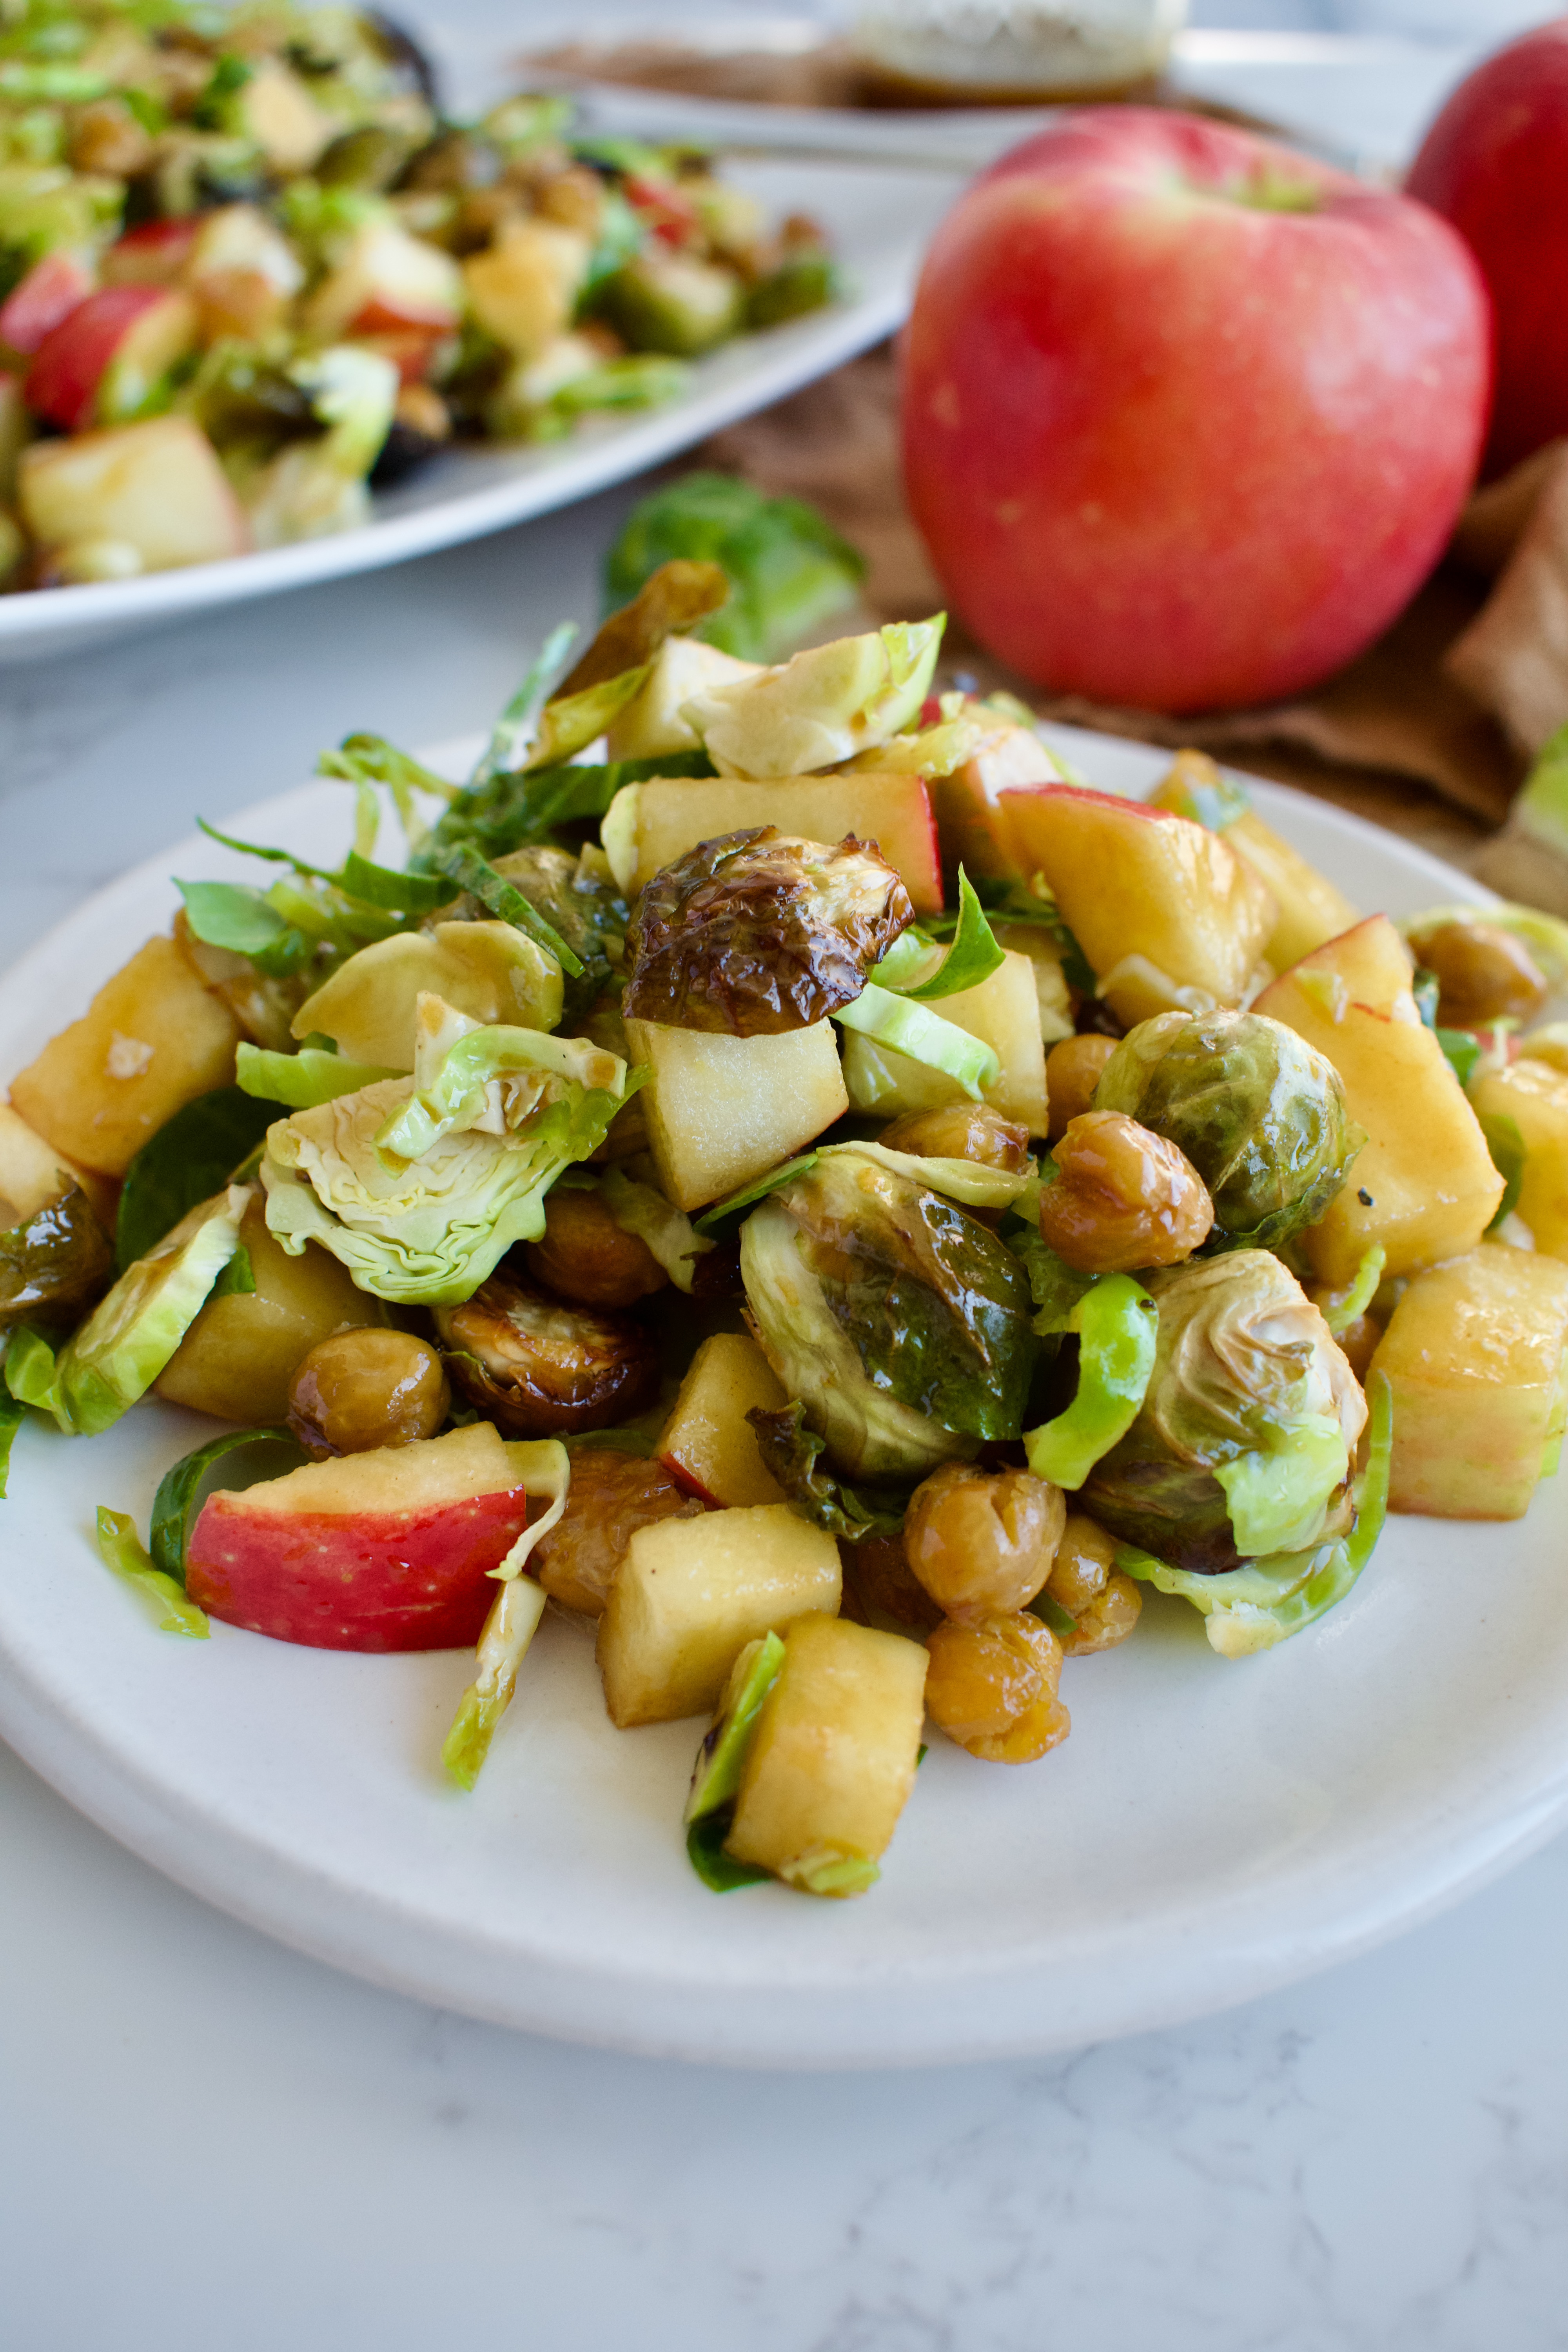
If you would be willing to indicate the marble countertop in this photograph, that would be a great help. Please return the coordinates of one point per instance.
(206, 2140)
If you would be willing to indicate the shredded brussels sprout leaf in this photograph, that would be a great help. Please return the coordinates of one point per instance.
(1352, 1304)
(967, 1181)
(505, 900)
(665, 1231)
(299, 1081)
(972, 957)
(12, 1414)
(1506, 1145)
(120, 1549)
(1116, 1325)
(174, 1504)
(544, 1471)
(923, 1036)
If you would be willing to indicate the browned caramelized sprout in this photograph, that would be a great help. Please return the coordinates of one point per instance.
(56, 1263)
(542, 1370)
(760, 931)
(584, 1254)
(360, 1390)
(962, 1131)
(1483, 973)
(993, 1687)
(612, 1495)
(1125, 1199)
(678, 596)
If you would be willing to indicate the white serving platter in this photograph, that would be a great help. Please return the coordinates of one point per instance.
(1211, 1829)
(879, 218)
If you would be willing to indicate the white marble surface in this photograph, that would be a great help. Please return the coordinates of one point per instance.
(207, 2141)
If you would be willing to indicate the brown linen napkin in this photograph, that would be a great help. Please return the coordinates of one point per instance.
(1452, 700)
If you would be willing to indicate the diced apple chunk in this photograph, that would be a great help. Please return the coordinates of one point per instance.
(1474, 1355)
(1423, 1186)
(707, 1443)
(1166, 914)
(1535, 1097)
(691, 1593)
(1311, 910)
(652, 824)
(152, 1040)
(523, 289)
(833, 1758)
(651, 726)
(33, 1173)
(157, 487)
(721, 1110)
(1004, 1012)
(967, 802)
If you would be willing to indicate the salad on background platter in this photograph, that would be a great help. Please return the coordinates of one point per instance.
(249, 271)
(781, 1172)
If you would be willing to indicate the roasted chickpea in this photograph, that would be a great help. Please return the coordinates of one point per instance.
(1125, 1198)
(962, 1131)
(366, 1388)
(584, 1254)
(612, 1495)
(1482, 972)
(992, 1686)
(1072, 1074)
(982, 1541)
(877, 1574)
(542, 1370)
(1086, 1582)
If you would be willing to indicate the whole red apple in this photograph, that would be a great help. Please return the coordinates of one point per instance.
(1495, 163)
(1187, 417)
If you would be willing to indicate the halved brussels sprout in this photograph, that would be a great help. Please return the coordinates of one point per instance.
(1248, 1428)
(1259, 1114)
(588, 912)
(901, 1324)
(56, 1262)
(760, 931)
(542, 1370)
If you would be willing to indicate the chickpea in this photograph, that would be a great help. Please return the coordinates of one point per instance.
(992, 1686)
(366, 1388)
(1086, 1582)
(962, 1131)
(584, 1254)
(1125, 1198)
(1483, 973)
(612, 1495)
(982, 1541)
(1072, 1074)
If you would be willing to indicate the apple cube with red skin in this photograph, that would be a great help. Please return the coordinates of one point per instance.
(708, 1445)
(386, 282)
(386, 1550)
(102, 362)
(154, 254)
(42, 299)
(1156, 902)
(157, 485)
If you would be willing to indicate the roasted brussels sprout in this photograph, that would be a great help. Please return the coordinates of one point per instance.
(1259, 1114)
(902, 1324)
(542, 1370)
(759, 932)
(589, 913)
(56, 1264)
(676, 597)
(1248, 1429)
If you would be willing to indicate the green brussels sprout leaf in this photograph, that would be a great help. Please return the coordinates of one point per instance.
(908, 1028)
(790, 1450)
(120, 1549)
(1116, 1325)
(1352, 1304)
(183, 1490)
(114, 1357)
(788, 569)
(705, 1850)
(56, 1262)
(721, 1758)
(465, 866)
(973, 956)
(296, 1081)
(1506, 1145)
(543, 1472)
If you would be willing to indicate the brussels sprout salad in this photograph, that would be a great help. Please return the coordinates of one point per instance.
(778, 1170)
(249, 270)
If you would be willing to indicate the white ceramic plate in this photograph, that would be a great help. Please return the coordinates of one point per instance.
(880, 218)
(1210, 1830)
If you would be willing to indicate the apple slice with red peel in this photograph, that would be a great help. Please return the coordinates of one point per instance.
(387, 282)
(42, 299)
(154, 254)
(386, 1550)
(99, 364)
(157, 487)
(708, 1445)
(653, 823)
